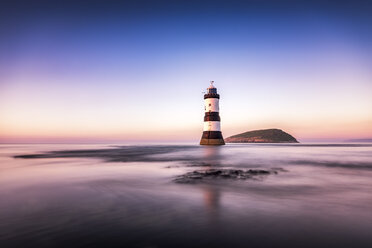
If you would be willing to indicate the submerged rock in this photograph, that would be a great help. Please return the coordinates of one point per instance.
(198, 175)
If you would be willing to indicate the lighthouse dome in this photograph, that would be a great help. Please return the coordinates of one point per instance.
(211, 89)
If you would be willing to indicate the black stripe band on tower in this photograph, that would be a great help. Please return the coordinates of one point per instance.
(212, 135)
(212, 116)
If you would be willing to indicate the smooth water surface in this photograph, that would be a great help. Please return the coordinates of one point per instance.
(126, 196)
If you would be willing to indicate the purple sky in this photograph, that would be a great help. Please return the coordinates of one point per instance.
(135, 71)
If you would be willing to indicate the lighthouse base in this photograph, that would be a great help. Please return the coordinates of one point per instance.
(212, 138)
(212, 142)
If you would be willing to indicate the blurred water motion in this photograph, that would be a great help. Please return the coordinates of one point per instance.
(125, 196)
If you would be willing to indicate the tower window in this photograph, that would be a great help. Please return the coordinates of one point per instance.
(210, 104)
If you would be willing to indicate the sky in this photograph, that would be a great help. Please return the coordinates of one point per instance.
(135, 71)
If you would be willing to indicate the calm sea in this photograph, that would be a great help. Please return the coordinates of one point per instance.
(126, 196)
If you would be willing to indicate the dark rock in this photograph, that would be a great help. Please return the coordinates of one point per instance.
(199, 175)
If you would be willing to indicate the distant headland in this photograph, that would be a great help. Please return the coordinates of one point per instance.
(262, 136)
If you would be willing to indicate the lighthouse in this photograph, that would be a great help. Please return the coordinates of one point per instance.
(212, 129)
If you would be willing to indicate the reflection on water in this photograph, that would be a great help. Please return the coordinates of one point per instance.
(211, 197)
(125, 196)
(212, 157)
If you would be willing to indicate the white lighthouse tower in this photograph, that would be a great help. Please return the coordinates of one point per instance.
(212, 129)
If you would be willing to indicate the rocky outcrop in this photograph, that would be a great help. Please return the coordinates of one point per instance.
(202, 175)
(262, 136)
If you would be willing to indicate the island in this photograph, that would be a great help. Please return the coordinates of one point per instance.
(262, 136)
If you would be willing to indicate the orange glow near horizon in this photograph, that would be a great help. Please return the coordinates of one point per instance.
(310, 131)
